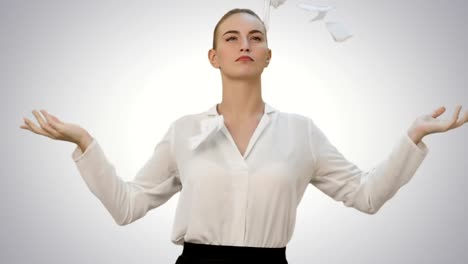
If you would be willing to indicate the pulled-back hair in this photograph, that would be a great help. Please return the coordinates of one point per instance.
(230, 13)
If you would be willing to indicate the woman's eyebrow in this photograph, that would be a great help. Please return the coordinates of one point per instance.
(237, 32)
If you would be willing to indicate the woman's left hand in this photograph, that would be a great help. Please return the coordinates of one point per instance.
(428, 124)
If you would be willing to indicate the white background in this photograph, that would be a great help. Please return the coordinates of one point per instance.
(125, 69)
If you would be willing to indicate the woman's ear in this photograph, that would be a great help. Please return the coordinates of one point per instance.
(267, 61)
(212, 57)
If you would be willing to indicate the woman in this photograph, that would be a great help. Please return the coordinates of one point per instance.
(241, 166)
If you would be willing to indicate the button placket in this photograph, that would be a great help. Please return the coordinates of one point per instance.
(264, 121)
(241, 177)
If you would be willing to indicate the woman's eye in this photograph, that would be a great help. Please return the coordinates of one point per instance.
(234, 38)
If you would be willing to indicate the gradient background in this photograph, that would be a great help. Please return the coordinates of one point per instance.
(125, 69)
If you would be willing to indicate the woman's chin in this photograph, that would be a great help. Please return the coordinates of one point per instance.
(244, 74)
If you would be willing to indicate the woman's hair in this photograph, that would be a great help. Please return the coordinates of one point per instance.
(230, 13)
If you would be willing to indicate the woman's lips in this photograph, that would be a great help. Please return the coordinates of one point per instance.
(244, 58)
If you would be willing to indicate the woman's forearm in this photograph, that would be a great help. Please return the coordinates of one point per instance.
(85, 141)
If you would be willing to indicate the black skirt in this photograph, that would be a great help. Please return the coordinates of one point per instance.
(215, 254)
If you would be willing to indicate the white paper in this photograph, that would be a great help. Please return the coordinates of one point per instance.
(317, 8)
(266, 10)
(320, 10)
(266, 14)
(338, 32)
(276, 3)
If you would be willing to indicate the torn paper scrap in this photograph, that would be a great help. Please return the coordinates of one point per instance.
(320, 10)
(276, 3)
(338, 32)
(266, 10)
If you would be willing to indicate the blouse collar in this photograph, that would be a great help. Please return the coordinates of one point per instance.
(213, 112)
(210, 126)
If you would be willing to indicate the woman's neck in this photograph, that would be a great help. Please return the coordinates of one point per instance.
(241, 99)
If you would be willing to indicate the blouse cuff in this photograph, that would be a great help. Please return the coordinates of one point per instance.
(77, 154)
(420, 148)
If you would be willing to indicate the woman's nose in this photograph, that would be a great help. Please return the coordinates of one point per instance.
(245, 45)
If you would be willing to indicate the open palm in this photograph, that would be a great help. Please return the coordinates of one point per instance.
(428, 124)
(53, 127)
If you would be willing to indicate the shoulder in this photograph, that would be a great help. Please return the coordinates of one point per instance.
(300, 122)
(188, 123)
(294, 118)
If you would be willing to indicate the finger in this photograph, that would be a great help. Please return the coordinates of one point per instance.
(447, 124)
(52, 133)
(35, 128)
(455, 116)
(51, 118)
(45, 131)
(438, 112)
(24, 127)
(39, 118)
(462, 121)
(54, 118)
(49, 126)
(32, 126)
(56, 125)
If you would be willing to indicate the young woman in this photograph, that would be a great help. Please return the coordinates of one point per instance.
(242, 166)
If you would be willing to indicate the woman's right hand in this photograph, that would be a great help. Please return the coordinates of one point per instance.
(54, 128)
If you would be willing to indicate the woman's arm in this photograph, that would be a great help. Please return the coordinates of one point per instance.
(127, 201)
(154, 184)
(367, 191)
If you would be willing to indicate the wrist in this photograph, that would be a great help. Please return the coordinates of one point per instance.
(84, 141)
(415, 135)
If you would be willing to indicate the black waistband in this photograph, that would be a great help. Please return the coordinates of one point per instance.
(222, 251)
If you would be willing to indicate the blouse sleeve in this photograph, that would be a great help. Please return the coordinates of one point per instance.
(366, 191)
(127, 201)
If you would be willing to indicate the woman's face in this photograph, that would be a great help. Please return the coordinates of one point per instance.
(239, 35)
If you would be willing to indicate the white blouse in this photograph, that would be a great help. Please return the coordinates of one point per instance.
(243, 200)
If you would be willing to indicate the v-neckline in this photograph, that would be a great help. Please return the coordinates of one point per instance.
(264, 120)
(212, 125)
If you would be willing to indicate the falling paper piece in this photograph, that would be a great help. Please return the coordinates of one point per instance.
(266, 10)
(319, 9)
(276, 3)
(338, 32)
(208, 127)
